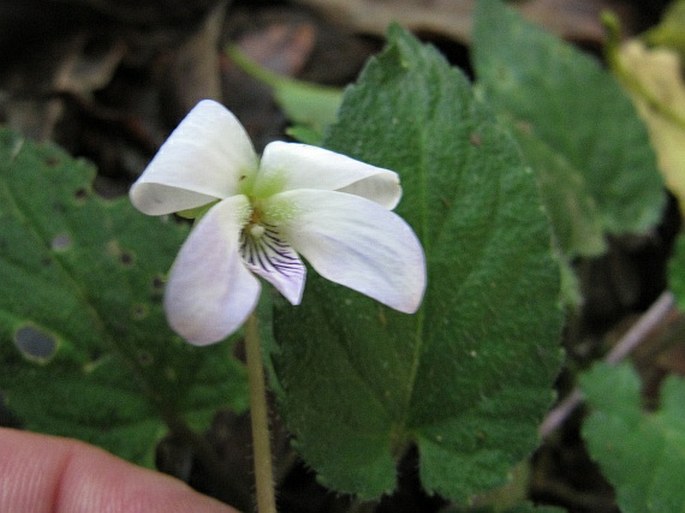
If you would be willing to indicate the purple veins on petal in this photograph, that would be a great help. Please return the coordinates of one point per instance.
(269, 253)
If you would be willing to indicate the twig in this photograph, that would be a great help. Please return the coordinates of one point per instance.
(635, 335)
(639, 331)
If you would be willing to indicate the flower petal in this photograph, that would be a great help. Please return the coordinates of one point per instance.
(289, 166)
(210, 292)
(203, 160)
(267, 255)
(357, 243)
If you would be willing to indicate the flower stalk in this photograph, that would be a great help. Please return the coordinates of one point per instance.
(259, 417)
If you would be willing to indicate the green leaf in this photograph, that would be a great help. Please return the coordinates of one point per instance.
(641, 453)
(577, 129)
(84, 347)
(467, 378)
(312, 107)
(572, 209)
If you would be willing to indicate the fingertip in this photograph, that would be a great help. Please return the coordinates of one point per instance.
(42, 474)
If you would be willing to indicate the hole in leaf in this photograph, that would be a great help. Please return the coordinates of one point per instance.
(35, 344)
(95, 354)
(80, 194)
(157, 287)
(145, 358)
(139, 311)
(124, 257)
(61, 242)
(475, 139)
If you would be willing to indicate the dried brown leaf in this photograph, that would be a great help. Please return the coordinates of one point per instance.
(577, 20)
(653, 78)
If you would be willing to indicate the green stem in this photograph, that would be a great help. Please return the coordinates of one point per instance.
(259, 416)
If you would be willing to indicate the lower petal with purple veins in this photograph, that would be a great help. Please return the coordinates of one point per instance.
(266, 254)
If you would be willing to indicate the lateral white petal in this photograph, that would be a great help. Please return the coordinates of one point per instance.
(290, 166)
(203, 160)
(210, 292)
(357, 243)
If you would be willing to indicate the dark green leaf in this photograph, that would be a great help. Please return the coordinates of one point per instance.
(468, 377)
(84, 346)
(573, 211)
(577, 128)
(642, 454)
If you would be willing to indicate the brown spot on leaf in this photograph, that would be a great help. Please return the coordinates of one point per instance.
(139, 311)
(52, 161)
(126, 258)
(80, 194)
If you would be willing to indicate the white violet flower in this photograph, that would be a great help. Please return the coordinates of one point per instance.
(257, 215)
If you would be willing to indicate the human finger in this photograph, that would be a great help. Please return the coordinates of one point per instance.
(45, 474)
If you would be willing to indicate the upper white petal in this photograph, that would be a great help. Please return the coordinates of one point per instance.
(210, 292)
(289, 166)
(357, 243)
(203, 160)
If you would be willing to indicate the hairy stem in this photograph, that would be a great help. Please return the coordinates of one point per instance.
(259, 416)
